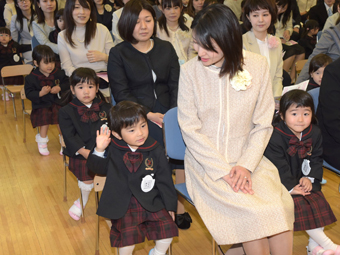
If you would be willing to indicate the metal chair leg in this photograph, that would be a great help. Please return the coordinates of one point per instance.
(4, 91)
(24, 120)
(65, 178)
(82, 207)
(15, 110)
(97, 227)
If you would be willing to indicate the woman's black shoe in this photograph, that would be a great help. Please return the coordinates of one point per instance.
(183, 220)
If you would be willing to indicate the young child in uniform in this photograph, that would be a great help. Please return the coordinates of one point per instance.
(10, 55)
(139, 195)
(79, 120)
(295, 148)
(316, 67)
(44, 86)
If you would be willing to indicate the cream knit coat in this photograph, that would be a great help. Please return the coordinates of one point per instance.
(222, 128)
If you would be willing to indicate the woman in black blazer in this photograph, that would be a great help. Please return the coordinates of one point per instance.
(143, 68)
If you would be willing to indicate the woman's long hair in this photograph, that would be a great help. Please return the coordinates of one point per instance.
(286, 15)
(70, 25)
(181, 20)
(20, 16)
(40, 13)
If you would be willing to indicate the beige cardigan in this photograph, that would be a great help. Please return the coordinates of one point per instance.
(276, 60)
(222, 128)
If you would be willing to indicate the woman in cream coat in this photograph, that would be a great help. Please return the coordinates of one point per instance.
(260, 16)
(226, 125)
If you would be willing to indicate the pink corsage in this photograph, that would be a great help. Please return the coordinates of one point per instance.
(273, 42)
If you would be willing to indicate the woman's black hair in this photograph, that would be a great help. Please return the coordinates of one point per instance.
(40, 13)
(21, 17)
(43, 53)
(255, 5)
(181, 19)
(299, 97)
(218, 23)
(81, 75)
(125, 114)
(70, 25)
(191, 9)
(58, 15)
(320, 60)
(129, 17)
(309, 25)
(286, 15)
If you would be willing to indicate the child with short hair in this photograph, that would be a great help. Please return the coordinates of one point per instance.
(316, 68)
(44, 87)
(10, 56)
(295, 148)
(85, 111)
(139, 195)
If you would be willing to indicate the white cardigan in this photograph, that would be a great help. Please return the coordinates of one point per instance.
(72, 58)
(42, 32)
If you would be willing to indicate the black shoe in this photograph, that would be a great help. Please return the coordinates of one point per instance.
(183, 220)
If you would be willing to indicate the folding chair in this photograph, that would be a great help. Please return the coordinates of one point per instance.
(299, 65)
(175, 149)
(10, 71)
(25, 112)
(98, 186)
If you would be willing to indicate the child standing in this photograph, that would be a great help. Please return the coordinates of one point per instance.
(43, 87)
(139, 196)
(295, 148)
(79, 120)
(316, 67)
(308, 38)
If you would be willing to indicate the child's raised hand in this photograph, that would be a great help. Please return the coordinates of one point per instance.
(44, 91)
(55, 90)
(306, 184)
(103, 138)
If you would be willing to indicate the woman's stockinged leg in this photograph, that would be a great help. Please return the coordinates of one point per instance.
(257, 247)
(281, 244)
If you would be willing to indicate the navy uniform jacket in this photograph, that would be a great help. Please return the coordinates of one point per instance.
(78, 134)
(121, 184)
(10, 55)
(290, 166)
(36, 80)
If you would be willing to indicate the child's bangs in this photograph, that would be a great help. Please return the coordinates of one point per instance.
(131, 118)
(171, 3)
(48, 58)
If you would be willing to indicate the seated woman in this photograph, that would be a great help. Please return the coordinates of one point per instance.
(84, 42)
(194, 6)
(104, 13)
(21, 26)
(260, 16)
(44, 25)
(143, 68)
(284, 30)
(174, 27)
(328, 44)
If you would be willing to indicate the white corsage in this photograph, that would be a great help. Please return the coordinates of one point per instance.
(108, 7)
(241, 81)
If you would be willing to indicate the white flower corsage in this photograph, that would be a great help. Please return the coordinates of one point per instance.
(241, 81)
(108, 7)
(273, 42)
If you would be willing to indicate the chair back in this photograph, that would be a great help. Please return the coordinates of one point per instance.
(315, 95)
(17, 70)
(299, 65)
(99, 183)
(173, 140)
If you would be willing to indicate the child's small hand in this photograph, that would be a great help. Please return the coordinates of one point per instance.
(298, 190)
(172, 214)
(44, 91)
(103, 139)
(55, 90)
(84, 152)
(306, 184)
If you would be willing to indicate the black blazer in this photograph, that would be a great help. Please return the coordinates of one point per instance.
(36, 80)
(106, 17)
(328, 113)
(319, 13)
(78, 134)
(130, 74)
(289, 167)
(121, 184)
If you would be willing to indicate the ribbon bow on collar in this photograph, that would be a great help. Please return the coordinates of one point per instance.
(133, 160)
(302, 147)
(89, 113)
(46, 81)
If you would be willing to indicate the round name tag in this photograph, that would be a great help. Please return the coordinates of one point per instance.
(16, 58)
(305, 167)
(148, 182)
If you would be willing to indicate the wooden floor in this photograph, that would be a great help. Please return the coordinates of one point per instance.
(34, 219)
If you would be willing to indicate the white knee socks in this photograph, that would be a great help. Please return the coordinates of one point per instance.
(85, 191)
(127, 250)
(319, 238)
(162, 246)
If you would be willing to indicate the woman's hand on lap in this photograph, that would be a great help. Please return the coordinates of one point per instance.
(286, 35)
(96, 56)
(241, 180)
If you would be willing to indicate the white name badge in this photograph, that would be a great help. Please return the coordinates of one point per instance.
(305, 167)
(148, 182)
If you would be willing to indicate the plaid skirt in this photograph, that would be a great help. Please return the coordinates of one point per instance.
(312, 211)
(79, 169)
(138, 223)
(45, 116)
